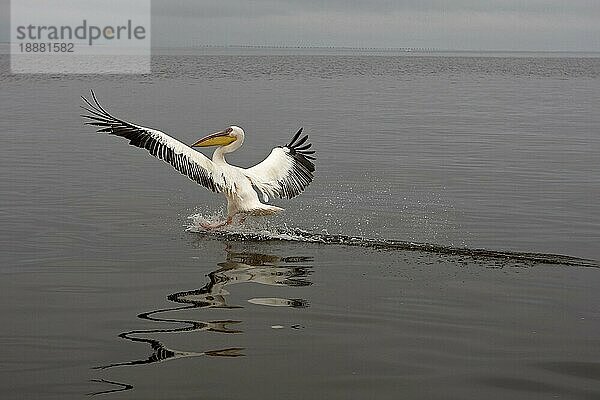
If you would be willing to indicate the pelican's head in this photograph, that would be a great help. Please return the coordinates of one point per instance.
(222, 138)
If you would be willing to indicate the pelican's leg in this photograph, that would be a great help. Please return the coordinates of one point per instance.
(216, 225)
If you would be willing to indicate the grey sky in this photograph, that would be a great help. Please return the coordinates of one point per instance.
(445, 24)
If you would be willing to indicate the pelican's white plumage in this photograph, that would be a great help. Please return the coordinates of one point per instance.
(285, 173)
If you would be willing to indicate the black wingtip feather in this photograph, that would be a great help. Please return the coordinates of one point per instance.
(301, 142)
(97, 102)
(298, 147)
(305, 147)
(296, 136)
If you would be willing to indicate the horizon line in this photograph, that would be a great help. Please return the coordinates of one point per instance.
(358, 48)
(367, 48)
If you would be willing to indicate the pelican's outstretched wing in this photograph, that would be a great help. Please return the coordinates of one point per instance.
(287, 171)
(182, 157)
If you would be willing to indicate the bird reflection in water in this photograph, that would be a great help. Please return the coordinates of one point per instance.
(238, 268)
(249, 267)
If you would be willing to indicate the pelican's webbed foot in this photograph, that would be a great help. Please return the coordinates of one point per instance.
(216, 225)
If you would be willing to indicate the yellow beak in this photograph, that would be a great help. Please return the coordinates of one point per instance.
(221, 138)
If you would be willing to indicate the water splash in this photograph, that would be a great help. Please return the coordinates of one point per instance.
(259, 230)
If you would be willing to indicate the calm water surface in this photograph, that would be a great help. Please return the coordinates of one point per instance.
(105, 289)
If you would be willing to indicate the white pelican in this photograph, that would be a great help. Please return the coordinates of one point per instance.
(285, 173)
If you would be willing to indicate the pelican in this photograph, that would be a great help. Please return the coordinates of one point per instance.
(285, 173)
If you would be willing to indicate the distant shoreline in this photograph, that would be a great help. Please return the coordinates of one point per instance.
(211, 49)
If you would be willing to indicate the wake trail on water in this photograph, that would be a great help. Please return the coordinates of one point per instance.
(263, 233)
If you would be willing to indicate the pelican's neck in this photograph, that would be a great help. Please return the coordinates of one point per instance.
(219, 154)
